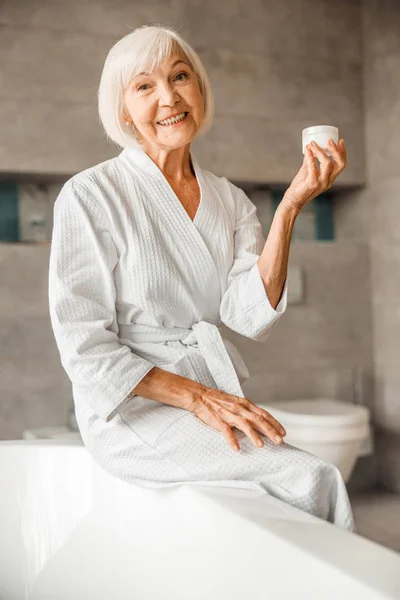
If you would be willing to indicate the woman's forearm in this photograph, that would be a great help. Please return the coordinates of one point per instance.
(273, 261)
(167, 387)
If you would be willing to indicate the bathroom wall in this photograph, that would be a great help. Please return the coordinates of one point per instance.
(34, 391)
(372, 215)
(275, 69)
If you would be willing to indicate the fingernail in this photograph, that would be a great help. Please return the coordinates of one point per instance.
(278, 438)
(259, 443)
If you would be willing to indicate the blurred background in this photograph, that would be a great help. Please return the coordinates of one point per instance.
(276, 67)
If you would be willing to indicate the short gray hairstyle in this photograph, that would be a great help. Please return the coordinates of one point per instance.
(143, 50)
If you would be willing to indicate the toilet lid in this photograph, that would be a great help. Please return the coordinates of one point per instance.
(318, 411)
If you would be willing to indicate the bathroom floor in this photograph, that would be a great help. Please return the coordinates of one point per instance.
(377, 517)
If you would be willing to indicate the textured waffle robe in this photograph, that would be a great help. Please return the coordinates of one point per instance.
(134, 283)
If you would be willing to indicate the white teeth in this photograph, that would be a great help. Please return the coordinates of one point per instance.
(173, 120)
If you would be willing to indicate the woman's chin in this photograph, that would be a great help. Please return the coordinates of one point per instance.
(176, 139)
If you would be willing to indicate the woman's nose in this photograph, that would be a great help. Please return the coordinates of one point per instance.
(168, 95)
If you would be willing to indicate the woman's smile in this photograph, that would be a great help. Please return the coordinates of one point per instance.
(174, 121)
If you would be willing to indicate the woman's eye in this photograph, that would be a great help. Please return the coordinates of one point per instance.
(184, 74)
(144, 86)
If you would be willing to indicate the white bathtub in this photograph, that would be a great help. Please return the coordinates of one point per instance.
(70, 531)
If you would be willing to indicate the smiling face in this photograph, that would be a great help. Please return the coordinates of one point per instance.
(171, 90)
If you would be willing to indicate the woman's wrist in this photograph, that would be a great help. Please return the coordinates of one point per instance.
(288, 207)
(169, 388)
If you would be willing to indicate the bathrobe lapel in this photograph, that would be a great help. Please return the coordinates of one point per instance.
(177, 223)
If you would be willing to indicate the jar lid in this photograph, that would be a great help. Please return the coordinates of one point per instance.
(321, 129)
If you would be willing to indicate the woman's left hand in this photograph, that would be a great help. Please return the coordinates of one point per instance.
(311, 182)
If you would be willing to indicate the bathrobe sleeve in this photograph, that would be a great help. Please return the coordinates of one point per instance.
(82, 303)
(245, 307)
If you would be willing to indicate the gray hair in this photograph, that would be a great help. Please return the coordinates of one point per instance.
(143, 50)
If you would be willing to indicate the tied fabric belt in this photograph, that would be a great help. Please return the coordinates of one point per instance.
(210, 343)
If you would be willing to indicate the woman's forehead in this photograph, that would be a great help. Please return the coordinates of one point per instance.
(174, 59)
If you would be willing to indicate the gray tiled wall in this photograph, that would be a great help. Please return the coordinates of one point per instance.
(274, 70)
(372, 214)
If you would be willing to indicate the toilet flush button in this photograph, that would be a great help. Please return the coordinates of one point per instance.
(295, 285)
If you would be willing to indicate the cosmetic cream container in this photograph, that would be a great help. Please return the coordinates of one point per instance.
(320, 134)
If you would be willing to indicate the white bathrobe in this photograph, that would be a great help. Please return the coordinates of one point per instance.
(133, 283)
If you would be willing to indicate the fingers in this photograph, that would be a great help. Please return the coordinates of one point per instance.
(312, 166)
(326, 163)
(222, 411)
(249, 415)
(339, 154)
(268, 430)
(252, 434)
(226, 431)
(342, 147)
(244, 420)
(273, 433)
(330, 169)
(257, 410)
(244, 423)
(230, 437)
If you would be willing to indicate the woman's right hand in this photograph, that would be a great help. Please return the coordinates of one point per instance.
(222, 411)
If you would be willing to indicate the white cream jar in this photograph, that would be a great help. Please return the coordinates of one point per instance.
(320, 134)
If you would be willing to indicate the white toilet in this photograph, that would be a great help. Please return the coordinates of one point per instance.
(332, 430)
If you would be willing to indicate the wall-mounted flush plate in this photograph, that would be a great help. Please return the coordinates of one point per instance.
(295, 285)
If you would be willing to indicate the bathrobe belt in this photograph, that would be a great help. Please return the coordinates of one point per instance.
(209, 340)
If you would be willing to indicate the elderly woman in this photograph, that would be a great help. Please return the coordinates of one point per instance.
(150, 255)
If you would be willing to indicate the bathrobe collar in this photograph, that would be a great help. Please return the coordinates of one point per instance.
(186, 233)
(146, 164)
(139, 158)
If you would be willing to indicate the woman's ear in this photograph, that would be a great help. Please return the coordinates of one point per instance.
(126, 118)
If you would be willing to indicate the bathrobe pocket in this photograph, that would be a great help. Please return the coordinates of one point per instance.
(150, 418)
